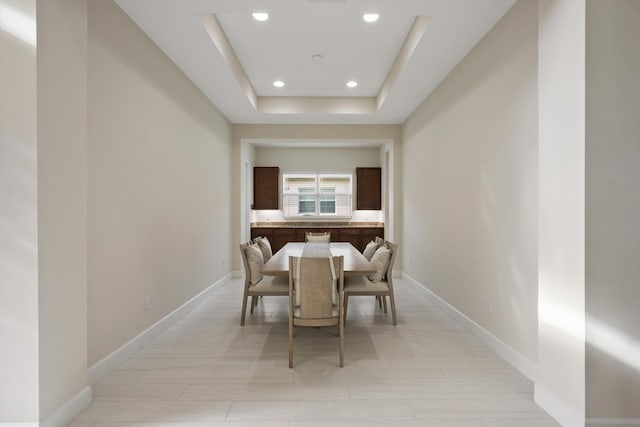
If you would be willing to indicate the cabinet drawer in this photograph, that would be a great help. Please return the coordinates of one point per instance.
(284, 231)
(350, 231)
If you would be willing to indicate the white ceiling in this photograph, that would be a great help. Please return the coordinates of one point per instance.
(282, 48)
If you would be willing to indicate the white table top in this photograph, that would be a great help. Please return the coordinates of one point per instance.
(355, 264)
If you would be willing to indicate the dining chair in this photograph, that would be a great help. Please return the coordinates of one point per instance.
(379, 284)
(317, 237)
(316, 296)
(255, 283)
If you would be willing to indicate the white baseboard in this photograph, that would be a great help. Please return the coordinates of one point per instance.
(62, 416)
(237, 274)
(555, 407)
(119, 356)
(511, 356)
(613, 422)
(67, 412)
(19, 424)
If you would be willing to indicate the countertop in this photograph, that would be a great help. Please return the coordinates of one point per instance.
(307, 224)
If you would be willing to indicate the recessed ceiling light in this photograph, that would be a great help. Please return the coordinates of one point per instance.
(260, 16)
(352, 83)
(278, 83)
(370, 17)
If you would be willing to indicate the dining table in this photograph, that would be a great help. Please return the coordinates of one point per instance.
(355, 264)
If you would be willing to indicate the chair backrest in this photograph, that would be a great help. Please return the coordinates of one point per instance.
(245, 262)
(392, 260)
(317, 237)
(315, 286)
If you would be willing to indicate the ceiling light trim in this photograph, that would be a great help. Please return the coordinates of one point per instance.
(315, 104)
(316, 142)
(219, 38)
(409, 46)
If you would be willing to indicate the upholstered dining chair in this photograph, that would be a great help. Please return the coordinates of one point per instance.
(317, 237)
(316, 296)
(255, 284)
(379, 284)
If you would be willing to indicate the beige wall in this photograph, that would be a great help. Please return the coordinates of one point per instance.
(62, 200)
(18, 223)
(613, 209)
(313, 159)
(160, 184)
(469, 177)
(317, 159)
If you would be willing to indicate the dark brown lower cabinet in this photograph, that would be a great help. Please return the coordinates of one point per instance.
(280, 236)
(353, 236)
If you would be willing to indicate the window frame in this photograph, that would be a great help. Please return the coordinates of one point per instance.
(319, 194)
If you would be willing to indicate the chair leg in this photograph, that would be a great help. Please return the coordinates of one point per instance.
(254, 301)
(379, 301)
(346, 303)
(392, 300)
(290, 344)
(384, 303)
(341, 339)
(244, 307)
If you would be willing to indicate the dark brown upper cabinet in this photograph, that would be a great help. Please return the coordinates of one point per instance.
(265, 187)
(369, 189)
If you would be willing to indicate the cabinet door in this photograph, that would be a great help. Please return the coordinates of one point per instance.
(351, 235)
(368, 188)
(335, 234)
(265, 187)
(282, 236)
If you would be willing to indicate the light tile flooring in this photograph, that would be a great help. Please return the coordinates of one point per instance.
(208, 371)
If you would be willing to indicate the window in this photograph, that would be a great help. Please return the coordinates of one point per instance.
(320, 195)
(328, 201)
(307, 201)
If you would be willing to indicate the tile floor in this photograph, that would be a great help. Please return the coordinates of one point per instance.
(208, 371)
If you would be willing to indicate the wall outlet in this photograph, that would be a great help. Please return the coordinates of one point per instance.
(488, 305)
(147, 303)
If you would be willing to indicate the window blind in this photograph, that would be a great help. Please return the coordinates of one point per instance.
(317, 195)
